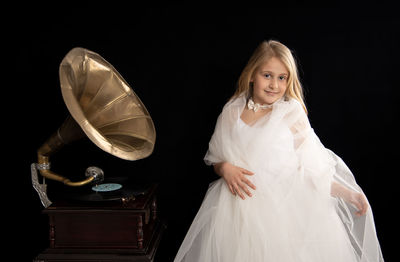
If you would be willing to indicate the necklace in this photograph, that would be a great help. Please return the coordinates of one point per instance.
(255, 106)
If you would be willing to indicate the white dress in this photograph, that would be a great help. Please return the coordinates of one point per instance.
(291, 215)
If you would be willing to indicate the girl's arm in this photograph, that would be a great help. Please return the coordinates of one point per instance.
(350, 196)
(301, 130)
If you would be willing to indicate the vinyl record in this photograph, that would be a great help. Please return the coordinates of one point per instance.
(123, 188)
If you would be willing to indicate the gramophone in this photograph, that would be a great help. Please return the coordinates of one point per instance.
(105, 109)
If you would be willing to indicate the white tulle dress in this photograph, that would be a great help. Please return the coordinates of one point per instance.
(291, 216)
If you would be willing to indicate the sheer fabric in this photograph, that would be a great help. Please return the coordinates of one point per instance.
(291, 215)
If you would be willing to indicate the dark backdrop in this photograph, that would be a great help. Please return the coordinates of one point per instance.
(183, 62)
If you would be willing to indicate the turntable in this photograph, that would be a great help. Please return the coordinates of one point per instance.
(101, 219)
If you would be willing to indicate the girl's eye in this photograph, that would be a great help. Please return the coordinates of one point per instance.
(282, 78)
(267, 75)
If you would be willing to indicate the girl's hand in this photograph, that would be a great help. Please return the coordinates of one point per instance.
(359, 201)
(235, 178)
(350, 196)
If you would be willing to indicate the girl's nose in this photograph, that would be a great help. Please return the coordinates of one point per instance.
(273, 84)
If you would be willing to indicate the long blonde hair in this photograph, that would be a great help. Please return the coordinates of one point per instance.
(265, 51)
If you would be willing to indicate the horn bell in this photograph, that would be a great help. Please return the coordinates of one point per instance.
(105, 106)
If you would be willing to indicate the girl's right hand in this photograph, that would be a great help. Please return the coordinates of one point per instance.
(235, 178)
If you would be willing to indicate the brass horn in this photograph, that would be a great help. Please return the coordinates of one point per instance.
(104, 108)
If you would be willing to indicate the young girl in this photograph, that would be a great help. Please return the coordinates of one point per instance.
(282, 195)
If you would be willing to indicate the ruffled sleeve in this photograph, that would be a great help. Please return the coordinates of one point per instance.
(220, 148)
(316, 164)
(213, 154)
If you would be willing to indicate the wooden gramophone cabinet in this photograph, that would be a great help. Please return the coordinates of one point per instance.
(125, 230)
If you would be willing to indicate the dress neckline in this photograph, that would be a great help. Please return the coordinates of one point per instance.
(255, 122)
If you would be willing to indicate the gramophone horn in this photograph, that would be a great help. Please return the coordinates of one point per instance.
(103, 107)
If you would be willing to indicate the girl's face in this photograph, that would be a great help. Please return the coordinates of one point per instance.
(269, 81)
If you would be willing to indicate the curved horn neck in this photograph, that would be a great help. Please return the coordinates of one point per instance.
(68, 132)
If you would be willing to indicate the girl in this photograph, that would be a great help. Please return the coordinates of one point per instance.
(298, 200)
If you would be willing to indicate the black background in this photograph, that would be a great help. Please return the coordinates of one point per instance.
(183, 61)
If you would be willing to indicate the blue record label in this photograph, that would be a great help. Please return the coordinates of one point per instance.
(106, 187)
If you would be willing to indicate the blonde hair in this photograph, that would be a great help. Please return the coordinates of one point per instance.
(265, 51)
